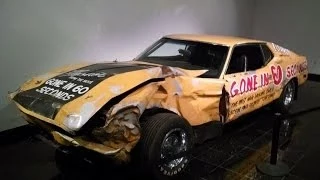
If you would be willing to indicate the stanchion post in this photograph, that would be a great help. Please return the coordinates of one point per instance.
(275, 138)
(274, 168)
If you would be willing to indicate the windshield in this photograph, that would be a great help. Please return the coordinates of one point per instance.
(188, 55)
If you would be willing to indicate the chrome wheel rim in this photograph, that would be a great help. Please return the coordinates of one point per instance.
(286, 127)
(175, 142)
(289, 94)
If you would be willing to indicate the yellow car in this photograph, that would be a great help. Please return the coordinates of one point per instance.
(181, 90)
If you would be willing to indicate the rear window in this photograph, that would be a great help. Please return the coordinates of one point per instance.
(267, 54)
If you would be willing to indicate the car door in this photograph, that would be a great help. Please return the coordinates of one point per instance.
(247, 80)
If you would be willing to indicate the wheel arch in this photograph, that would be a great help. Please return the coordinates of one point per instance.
(201, 133)
(155, 110)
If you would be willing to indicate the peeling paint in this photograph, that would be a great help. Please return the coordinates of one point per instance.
(122, 132)
(115, 89)
(87, 110)
(154, 71)
(45, 76)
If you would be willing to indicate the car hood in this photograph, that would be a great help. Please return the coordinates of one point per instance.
(85, 88)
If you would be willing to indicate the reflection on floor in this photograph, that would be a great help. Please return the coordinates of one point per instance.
(232, 156)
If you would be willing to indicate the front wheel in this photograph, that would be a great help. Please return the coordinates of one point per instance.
(165, 145)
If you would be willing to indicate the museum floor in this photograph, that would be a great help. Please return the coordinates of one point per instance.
(232, 156)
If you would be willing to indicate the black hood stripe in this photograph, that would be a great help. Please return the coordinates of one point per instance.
(48, 98)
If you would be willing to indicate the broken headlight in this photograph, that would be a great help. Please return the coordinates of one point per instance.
(74, 122)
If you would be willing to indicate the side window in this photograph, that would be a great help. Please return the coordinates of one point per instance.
(245, 58)
(267, 54)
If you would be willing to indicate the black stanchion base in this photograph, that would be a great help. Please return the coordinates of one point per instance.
(278, 170)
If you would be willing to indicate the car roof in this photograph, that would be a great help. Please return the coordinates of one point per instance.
(213, 39)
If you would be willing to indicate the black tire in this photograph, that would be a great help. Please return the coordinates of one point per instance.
(157, 131)
(281, 105)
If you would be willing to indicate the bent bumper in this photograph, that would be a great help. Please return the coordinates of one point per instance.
(79, 142)
(114, 141)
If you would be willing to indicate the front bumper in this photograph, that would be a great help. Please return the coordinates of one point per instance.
(116, 140)
(79, 142)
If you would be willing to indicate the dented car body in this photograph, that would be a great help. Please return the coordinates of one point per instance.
(201, 78)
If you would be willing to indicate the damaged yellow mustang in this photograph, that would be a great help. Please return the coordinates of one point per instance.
(179, 91)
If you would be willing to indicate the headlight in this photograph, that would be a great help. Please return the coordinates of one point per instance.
(74, 122)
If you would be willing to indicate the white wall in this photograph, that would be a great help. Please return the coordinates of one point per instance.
(291, 23)
(37, 35)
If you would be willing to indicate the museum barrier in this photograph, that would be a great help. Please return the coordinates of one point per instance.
(274, 167)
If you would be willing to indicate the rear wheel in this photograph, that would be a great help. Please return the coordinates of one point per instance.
(165, 145)
(285, 101)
